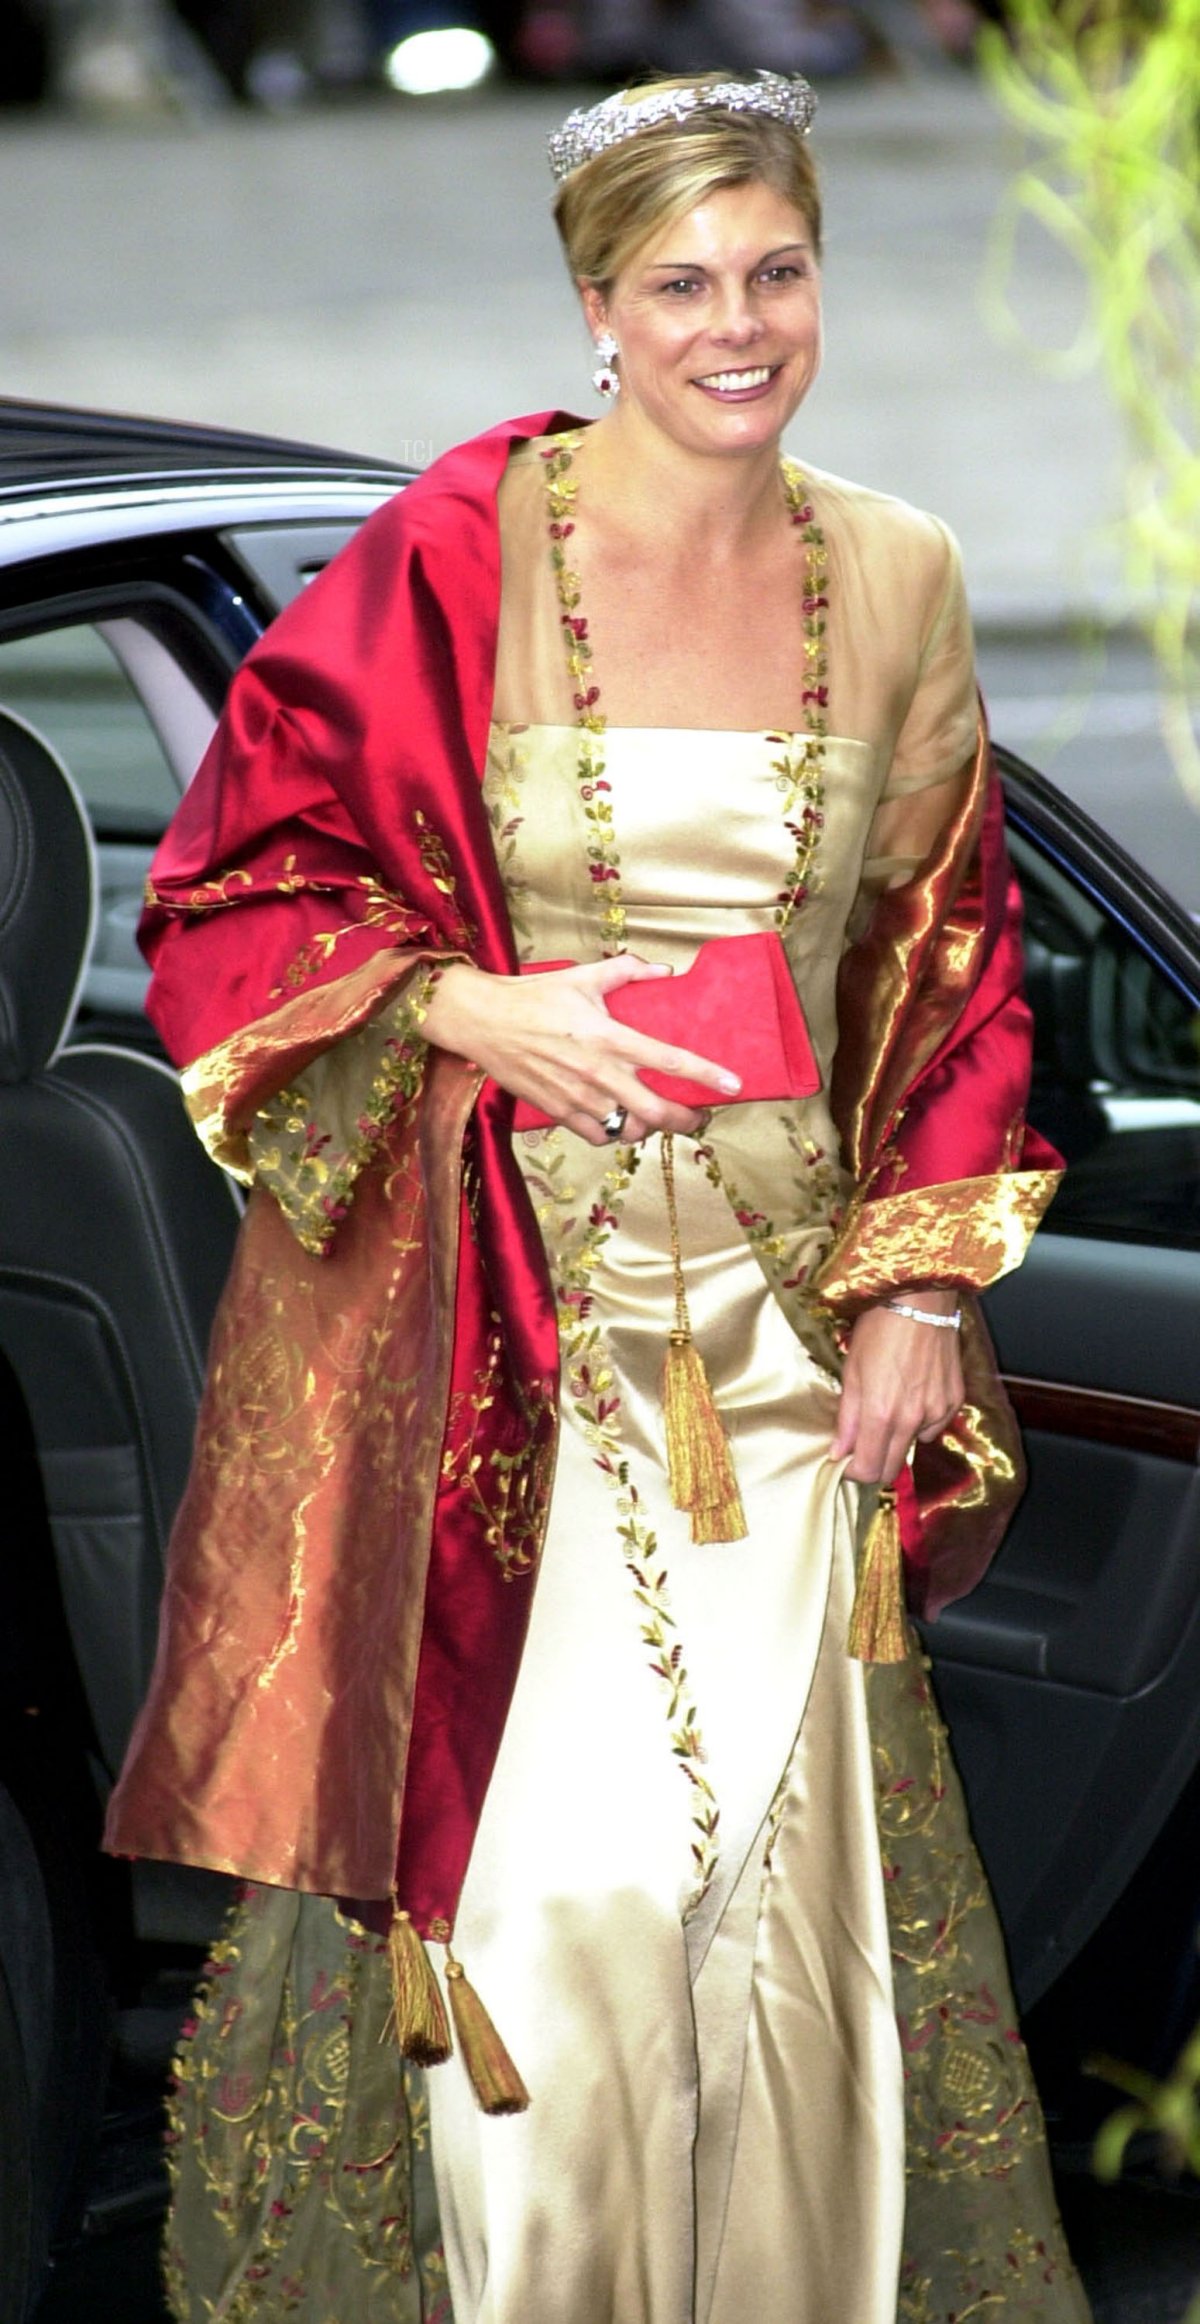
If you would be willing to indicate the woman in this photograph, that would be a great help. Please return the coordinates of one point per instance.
(594, 696)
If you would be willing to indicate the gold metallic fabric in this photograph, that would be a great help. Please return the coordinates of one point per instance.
(912, 936)
(972, 1231)
(307, 1523)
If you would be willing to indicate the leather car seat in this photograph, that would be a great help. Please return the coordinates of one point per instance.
(115, 1237)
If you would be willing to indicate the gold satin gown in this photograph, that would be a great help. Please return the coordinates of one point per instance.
(723, 1903)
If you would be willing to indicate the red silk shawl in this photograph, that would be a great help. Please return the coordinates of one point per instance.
(352, 1567)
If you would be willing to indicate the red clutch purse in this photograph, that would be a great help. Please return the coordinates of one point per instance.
(736, 1004)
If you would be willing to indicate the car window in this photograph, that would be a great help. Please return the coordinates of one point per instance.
(285, 558)
(1116, 1068)
(69, 684)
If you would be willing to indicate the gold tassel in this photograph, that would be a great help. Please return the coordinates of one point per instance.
(699, 1462)
(877, 1625)
(698, 1457)
(418, 2017)
(494, 2078)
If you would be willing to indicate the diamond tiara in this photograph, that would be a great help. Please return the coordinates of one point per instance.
(584, 134)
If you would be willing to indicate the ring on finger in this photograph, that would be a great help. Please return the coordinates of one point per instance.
(613, 1122)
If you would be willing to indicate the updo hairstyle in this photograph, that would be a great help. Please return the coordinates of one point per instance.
(608, 209)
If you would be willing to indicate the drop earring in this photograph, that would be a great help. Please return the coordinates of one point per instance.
(605, 379)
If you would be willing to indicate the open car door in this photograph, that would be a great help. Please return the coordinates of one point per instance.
(1071, 1677)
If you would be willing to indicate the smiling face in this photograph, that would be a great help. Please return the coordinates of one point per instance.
(718, 321)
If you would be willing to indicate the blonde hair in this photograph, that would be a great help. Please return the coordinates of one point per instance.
(608, 210)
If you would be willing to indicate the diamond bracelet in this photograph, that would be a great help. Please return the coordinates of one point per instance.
(925, 1315)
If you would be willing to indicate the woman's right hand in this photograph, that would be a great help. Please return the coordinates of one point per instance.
(550, 1039)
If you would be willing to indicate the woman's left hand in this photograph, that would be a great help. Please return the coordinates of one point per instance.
(902, 1381)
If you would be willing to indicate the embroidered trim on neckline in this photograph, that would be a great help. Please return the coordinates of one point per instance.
(799, 774)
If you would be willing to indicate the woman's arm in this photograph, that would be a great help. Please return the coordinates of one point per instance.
(902, 1384)
(929, 1087)
(933, 934)
(550, 1039)
(951, 1182)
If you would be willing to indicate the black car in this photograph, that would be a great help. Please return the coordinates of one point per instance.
(137, 564)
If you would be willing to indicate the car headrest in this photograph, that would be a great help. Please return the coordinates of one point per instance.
(48, 889)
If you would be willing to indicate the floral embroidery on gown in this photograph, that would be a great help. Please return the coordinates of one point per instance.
(723, 1899)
